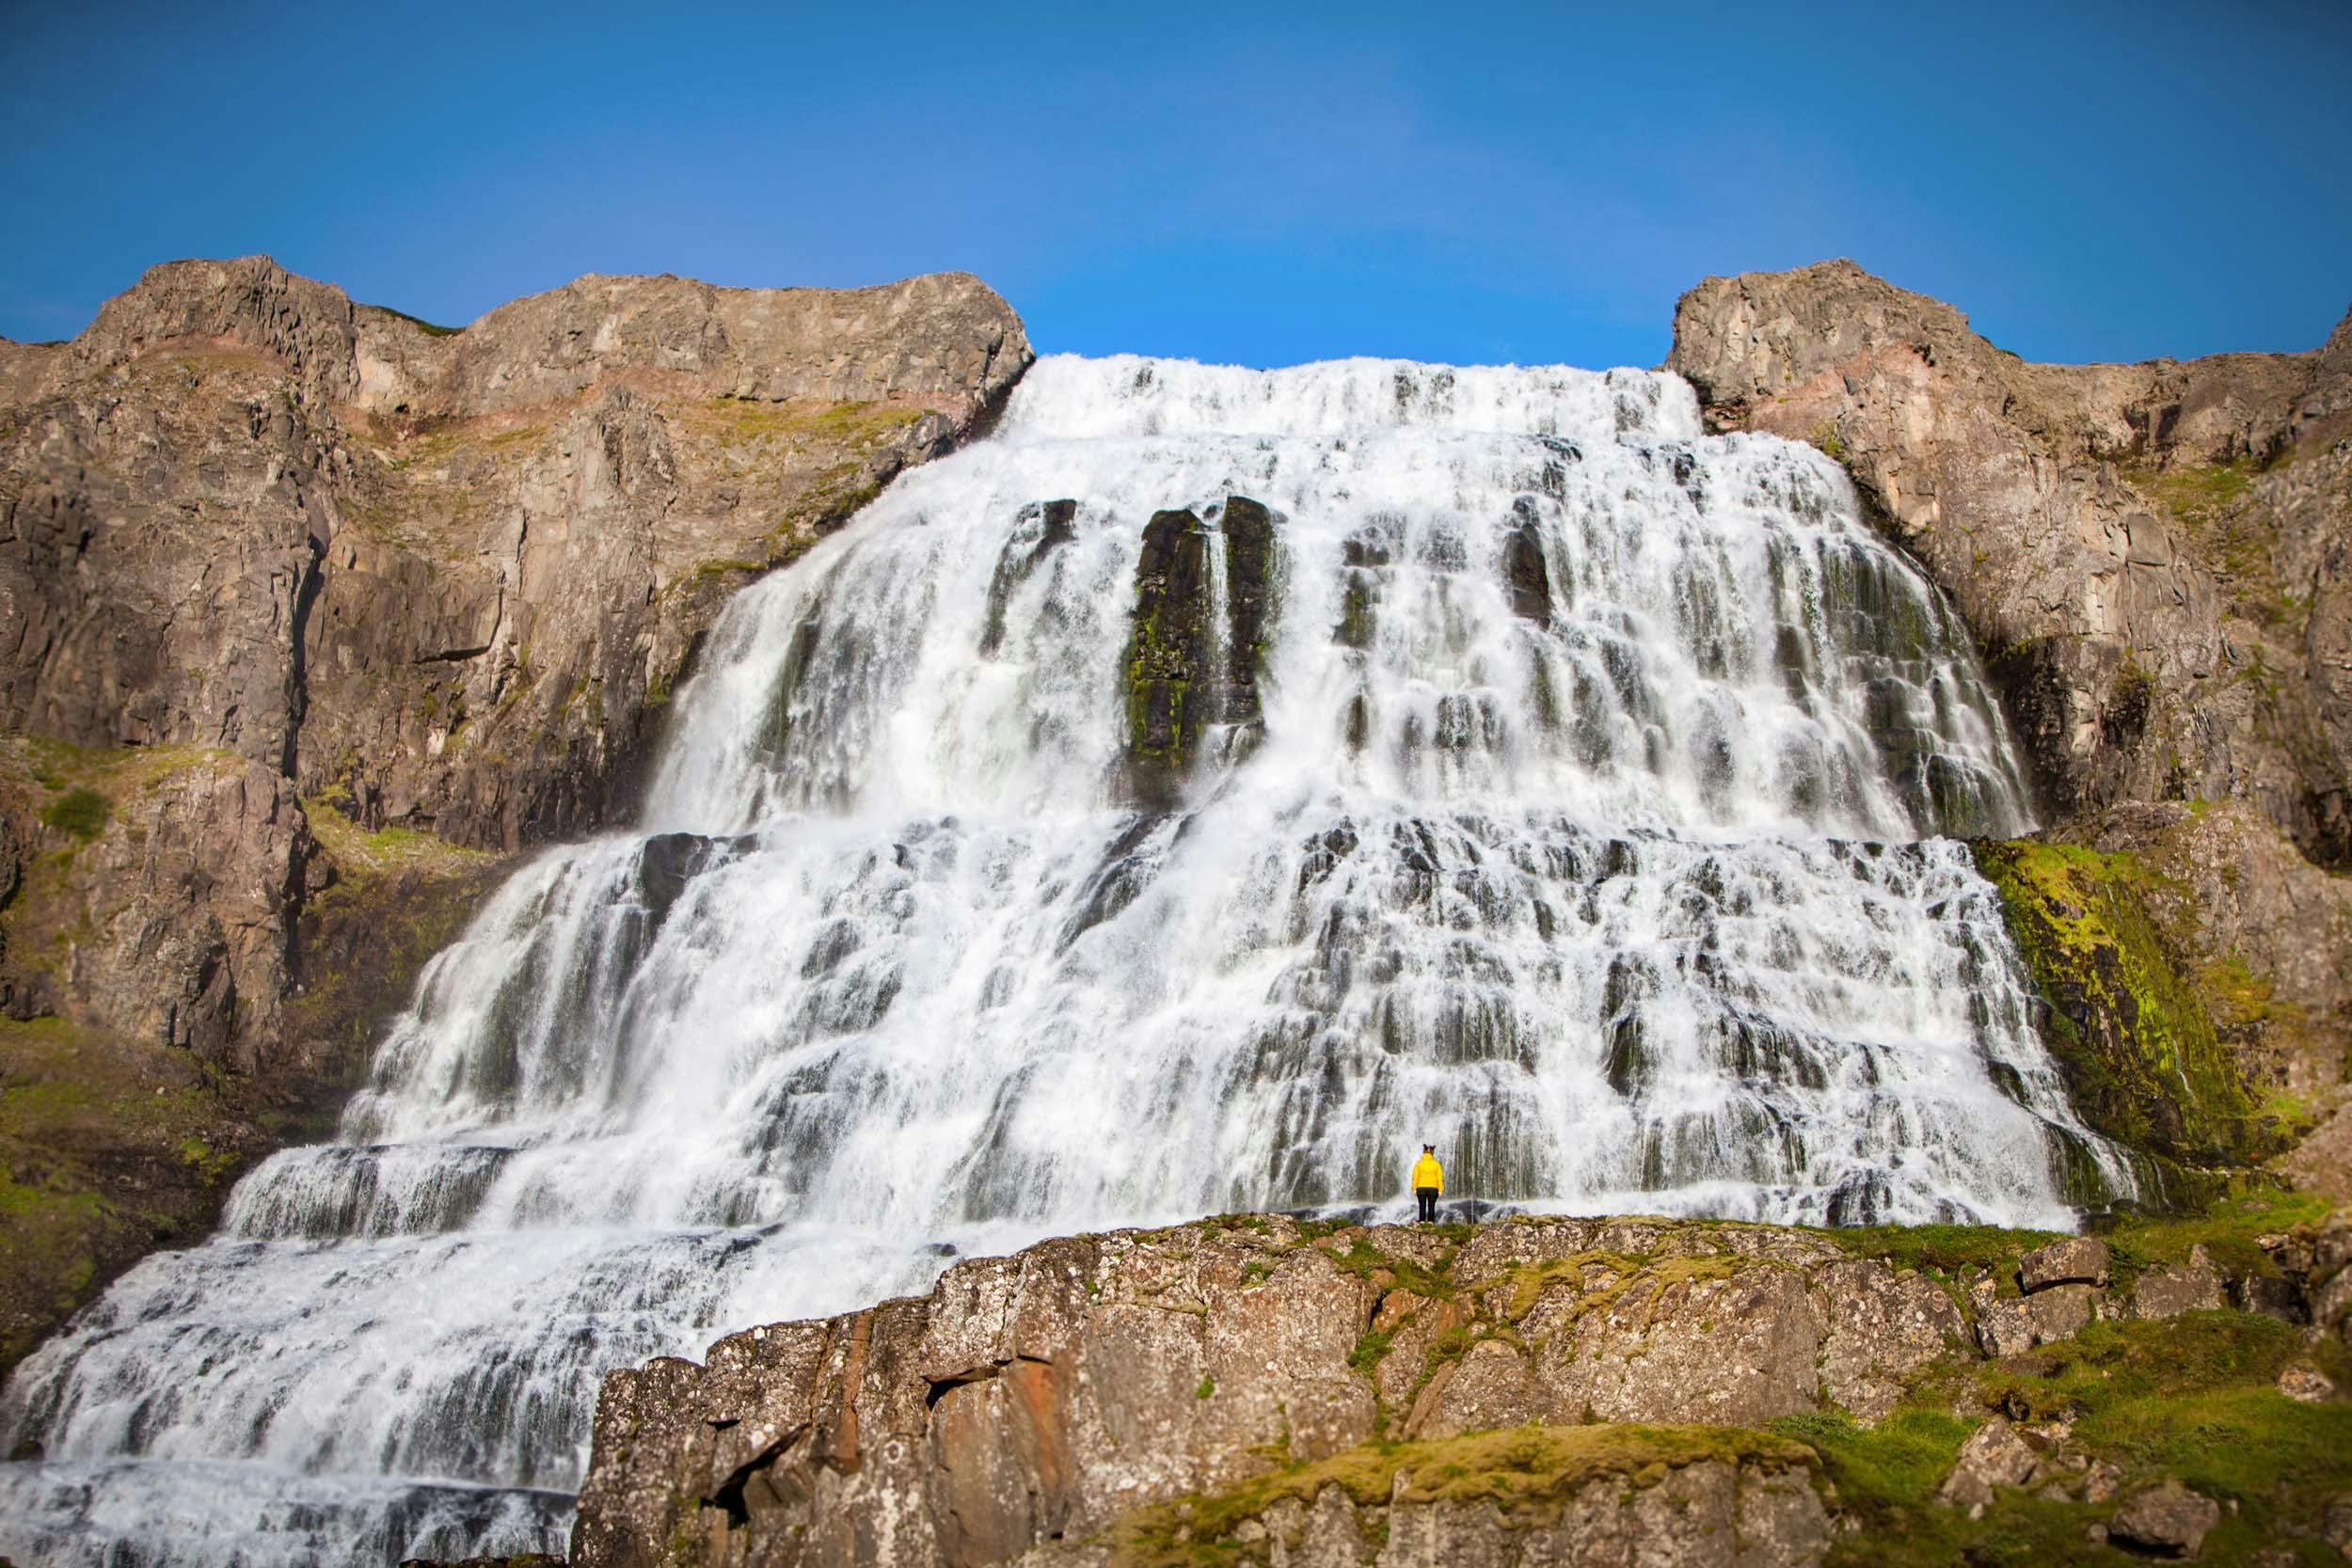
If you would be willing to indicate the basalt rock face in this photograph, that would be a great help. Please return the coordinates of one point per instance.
(2153, 556)
(280, 572)
(1035, 1402)
(1535, 1390)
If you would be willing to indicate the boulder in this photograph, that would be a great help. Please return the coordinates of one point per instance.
(2169, 1290)
(2013, 1326)
(2078, 1260)
(2170, 1520)
(1996, 1454)
(2306, 1383)
(1882, 1326)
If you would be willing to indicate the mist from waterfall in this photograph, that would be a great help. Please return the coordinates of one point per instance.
(1580, 798)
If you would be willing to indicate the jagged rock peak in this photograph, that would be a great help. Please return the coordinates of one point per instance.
(2079, 516)
(941, 335)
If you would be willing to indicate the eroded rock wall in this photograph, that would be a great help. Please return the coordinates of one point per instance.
(2154, 558)
(1542, 1389)
(281, 575)
(2150, 554)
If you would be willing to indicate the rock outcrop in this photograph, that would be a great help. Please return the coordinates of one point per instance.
(1255, 1389)
(445, 579)
(2153, 556)
(2154, 560)
(281, 575)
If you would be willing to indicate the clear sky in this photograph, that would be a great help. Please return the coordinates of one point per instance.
(1263, 184)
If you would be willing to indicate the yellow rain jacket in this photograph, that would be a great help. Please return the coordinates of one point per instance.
(1428, 1173)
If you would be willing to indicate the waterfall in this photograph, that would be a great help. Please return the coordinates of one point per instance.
(1193, 798)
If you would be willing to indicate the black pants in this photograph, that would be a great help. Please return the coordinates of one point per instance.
(1428, 1196)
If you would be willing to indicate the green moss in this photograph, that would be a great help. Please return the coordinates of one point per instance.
(2193, 1398)
(107, 1145)
(400, 895)
(1364, 1261)
(1520, 1470)
(2239, 540)
(1207, 1388)
(419, 321)
(2196, 493)
(2227, 1231)
(80, 811)
(1946, 1251)
(2134, 1039)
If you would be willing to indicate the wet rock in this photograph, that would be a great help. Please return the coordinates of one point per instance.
(2169, 1519)
(1525, 573)
(1251, 584)
(2078, 1260)
(1042, 529)
(1168, 682)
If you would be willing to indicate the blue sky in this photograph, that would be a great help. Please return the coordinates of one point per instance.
(1258, 183)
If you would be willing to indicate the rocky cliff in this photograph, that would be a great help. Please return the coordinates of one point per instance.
(1252, 1389)
(2155, 557)
(307, 610)
(2156, 560)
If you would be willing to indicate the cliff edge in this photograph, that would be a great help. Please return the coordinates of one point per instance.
(1252, 1389)
(2156, 561)
(310, 612)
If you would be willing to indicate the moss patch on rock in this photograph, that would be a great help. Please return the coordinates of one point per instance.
(2134, 1037)
(397, 898)
(1517, 1470)
(2192, 1398)
(108, 1147)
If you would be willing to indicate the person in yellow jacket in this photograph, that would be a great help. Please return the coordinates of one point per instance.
(1429, 1181)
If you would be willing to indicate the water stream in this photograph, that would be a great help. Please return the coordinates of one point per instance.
(1553, 783)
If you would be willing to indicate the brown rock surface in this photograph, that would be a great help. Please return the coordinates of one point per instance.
(2077, 1261)
(2169, 1519)
(2154, 558)
(2151, 555)
(1029, 1405)
(1141, 1396)
(263, 551)
(445, 579)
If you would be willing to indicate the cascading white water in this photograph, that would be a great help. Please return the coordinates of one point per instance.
(1572, 801)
